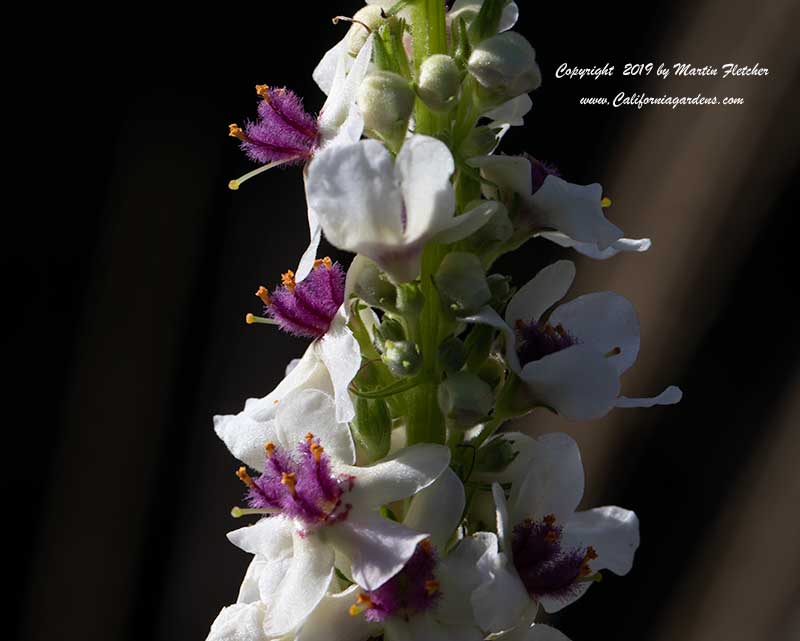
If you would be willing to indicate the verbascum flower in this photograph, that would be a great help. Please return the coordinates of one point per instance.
(389, 210)
(568, 214)
(317, 505)
(548, 554)
(571, 359)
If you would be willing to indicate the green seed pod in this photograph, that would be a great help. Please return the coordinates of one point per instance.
(410, 300)
(391, 329)
(386, 100)
(402, 357)
(492, 372)
(452, 354)
(505, 65)
(464, 399)
(371, 285)
(439, 82)
(501, 289)
(461, 282)
(372, 427)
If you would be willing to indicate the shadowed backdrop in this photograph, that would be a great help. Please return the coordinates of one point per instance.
(131, 266)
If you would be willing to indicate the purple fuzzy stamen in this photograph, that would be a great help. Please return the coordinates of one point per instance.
(284, 131)
(539, 171)
(545, 567)
(301, 486)
(307, 308)
(538, 339)
(412, 590)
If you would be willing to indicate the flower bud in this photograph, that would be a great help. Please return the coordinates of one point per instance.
(464, 399)
(370, 16)
(481, 141)
(461, 282)
(402, 357)
(373, 286)
(492, 371)
(505, 65)
(391, 329)
(372, 427)
(495, 456)
(410, 300)
(386, 100)
(439, 81)
(501, 289)
(452, 354)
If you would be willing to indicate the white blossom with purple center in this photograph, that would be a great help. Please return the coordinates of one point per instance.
(571, 359)
(548, 554)
(317, 505)
(567, 214)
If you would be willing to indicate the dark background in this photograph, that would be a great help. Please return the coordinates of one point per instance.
(129, 265)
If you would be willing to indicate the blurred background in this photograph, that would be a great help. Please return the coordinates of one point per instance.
(131, 265)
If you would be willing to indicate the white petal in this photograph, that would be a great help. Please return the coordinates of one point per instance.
(488, 316)
(338, 349)
(437, 510)
(524, 446)
(574, 210)
(398, 476)
(354, 194)
(507, 19)
(239, 622)
(314, 411)
(245, 437)
(511, 113)
(577, 382)
(325, 72)
(423, 169)
(540, 293)
(270, 538)
(343, 92)
(425, 627)
(306, 263)
(612, 531)
(303, 586)
(503, 523)
(593, 251)
(669, 396)
(536, 632)
(605, 321)
(331, 620)
(459, 575)
(459, 227)
(511, 173)
(249, 592)
(554, 483)
(377, 548)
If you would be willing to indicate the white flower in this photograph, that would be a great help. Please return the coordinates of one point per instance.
(549, 554)
(429, 600)
(568, 214)
(572, 359)
(322, 507)
(389, 210)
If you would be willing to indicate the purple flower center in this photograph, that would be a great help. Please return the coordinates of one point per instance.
(539, 171)
(284, 131)
(412, 590)
(300, 486)
(538, 339)
(306, 308)
(544, 565)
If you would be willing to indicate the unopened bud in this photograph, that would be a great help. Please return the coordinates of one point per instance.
(390, 329)
(461, 282)
(481, 141)
(452, 354)
(495, 456)
(373, 286)
(501, 289)
(372, 427)
(464, 399)
(386, 100)
(402, 357)
(505, 65)
(410, 299)
(492, 372)
(439, 81)
(370, 16)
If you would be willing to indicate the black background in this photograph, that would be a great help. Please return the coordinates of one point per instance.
(128, 267)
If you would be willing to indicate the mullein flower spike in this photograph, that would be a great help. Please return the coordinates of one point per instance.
(381, 499)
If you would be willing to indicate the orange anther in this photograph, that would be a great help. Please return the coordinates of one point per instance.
(244, 477)
(270, 448)
(263, 294)
(235, 131)
(289, 479)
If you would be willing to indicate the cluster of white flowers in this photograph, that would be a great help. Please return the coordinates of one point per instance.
(387, 502)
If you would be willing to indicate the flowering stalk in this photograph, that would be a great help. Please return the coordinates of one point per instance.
(390, 503)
